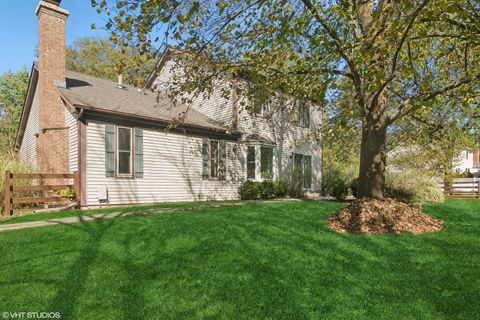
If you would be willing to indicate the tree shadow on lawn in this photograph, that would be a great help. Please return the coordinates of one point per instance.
(407, 275)
(73, 286)
(430, 275)
(217, 263)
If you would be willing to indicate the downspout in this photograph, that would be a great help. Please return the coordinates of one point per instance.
(82, 156)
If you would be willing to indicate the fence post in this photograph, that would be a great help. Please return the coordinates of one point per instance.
(478, 189)
(8, 194)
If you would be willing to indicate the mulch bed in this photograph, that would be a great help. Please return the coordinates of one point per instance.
(379, 216)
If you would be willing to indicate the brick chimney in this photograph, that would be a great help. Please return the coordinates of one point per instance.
(52, 142)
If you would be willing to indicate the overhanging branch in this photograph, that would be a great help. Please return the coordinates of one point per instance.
(407, 108)
(405, 32)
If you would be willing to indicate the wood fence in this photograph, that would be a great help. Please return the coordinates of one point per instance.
(13, 191)
(462, 188)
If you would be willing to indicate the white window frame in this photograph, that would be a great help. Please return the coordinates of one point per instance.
(117, 153)
(258, 160)
(254, 162)
(265, 107)
(273, 162)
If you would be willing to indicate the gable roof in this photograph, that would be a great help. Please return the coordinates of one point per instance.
(103, 96)
(95, 94)
(27, 106)
(166, 55)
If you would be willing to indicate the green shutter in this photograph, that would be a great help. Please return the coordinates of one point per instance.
(223, 161)
(109, 150)
(138, 153)
(205, 155)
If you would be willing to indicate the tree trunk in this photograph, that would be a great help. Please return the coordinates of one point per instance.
(371, 182)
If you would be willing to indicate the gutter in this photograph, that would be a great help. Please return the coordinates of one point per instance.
(82, 109)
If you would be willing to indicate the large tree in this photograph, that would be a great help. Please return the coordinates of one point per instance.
(100, 57)
(400, 57)
(13, 87)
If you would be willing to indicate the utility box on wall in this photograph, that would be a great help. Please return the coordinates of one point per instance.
(102, 193)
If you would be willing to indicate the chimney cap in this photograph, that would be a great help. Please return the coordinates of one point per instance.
(52, 6)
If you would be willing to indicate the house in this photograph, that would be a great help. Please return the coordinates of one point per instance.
(137, 146)
(467, 161)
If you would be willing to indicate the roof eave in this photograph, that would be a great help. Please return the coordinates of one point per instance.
(158, 67)
(166, 123)
(27, 106)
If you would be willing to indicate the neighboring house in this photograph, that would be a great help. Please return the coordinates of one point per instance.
(136, 146)
(467, 161)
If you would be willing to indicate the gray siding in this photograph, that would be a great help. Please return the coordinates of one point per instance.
(278, 127)
(172, 170)
(28, 149)
(289, 138)
(71, 123)
(216, 106)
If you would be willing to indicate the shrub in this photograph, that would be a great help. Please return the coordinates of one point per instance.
(249, 190)
(252, 190)
(267, 190)
(280, 188)
(68, 193)
(338, 181)
(412, 187)
(10, 162)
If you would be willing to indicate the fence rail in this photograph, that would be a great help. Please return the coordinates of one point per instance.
(464, 188)
(13, 192)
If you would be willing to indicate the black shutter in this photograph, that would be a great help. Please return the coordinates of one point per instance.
(138, 153)
(109, 150)
(223, 161)
(205, 156)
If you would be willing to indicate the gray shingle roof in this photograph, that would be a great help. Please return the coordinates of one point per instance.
(104, 95)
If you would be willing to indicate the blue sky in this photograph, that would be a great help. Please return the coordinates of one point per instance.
(19, 32)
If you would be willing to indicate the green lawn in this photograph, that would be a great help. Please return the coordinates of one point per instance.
(258, 261)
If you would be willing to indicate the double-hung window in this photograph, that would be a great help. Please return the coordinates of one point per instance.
(259, 157)
(261, 106)
(214, 159)
(124, 151)
(266, 162)
(251, 162)
(303, 168)
(303, 114)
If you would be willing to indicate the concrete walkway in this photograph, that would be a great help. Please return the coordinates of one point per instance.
(102, 216)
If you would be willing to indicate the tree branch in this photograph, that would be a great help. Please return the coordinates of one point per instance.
(336, 40)
(406, 30)
(403, 110)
